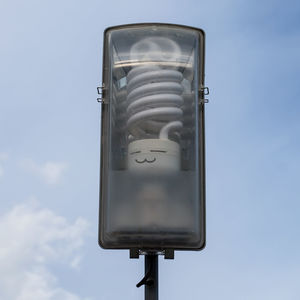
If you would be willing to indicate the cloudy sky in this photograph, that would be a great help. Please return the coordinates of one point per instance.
(50, 65)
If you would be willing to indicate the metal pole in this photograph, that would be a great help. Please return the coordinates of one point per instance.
(151, 268)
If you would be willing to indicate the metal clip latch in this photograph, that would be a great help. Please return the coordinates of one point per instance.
(204, 91)
(203, 101)
(100, 92)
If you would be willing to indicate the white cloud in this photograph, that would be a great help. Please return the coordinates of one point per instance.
(30, 239)
(50, 172)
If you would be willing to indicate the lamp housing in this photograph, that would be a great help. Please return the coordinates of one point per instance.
(152, 181)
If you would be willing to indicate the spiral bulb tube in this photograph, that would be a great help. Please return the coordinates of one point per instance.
(154, 94)
(154, 101)
(154, 105)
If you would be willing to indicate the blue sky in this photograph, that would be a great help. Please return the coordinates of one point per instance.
(51, 63)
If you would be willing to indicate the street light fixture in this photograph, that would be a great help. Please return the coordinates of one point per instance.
(152, 190)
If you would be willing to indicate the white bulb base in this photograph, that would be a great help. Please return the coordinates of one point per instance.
(162, 155)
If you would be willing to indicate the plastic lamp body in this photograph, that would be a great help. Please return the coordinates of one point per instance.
(152, 181)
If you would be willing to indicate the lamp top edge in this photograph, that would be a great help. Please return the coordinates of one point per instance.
(133, 25)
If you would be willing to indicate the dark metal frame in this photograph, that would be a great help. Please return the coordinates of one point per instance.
(134, 252)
